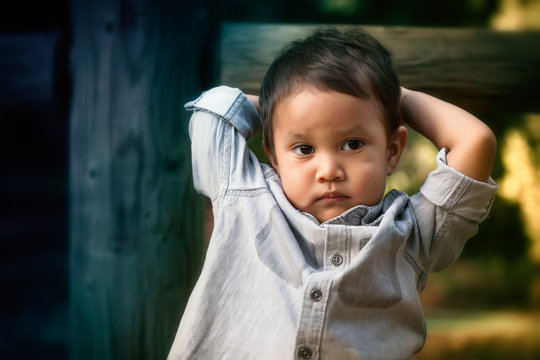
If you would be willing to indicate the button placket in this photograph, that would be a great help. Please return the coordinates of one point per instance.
(313, 313)
(337, 247)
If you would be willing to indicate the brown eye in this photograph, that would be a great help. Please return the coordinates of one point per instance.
(303, 149)
(351, 145)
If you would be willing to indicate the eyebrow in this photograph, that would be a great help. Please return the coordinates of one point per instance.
(294, 136)
(347, 130)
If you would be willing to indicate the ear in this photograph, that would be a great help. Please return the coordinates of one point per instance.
(270, 155)
(395, 148)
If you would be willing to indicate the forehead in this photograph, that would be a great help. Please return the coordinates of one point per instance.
(309, 108)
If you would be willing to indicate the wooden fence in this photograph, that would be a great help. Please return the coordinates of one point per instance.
(483, 71)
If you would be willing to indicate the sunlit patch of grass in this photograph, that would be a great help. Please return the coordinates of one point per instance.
(482, 323)
(454, 334)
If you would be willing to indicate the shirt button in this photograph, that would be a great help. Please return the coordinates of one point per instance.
(305, 352)
(316, 294)
(337, 260)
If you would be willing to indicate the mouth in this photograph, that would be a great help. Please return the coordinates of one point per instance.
(332, 197)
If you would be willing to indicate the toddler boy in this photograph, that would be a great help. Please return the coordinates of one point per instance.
(308, 258)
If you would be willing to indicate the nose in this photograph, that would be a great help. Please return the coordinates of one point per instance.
(329, 168)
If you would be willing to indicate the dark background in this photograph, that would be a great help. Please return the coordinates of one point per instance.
(33, 193)
(34, 154)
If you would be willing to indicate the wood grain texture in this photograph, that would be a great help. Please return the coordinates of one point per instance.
(484, 71)
(136, 224)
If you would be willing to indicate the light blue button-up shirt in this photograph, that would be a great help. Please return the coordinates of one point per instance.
(277, 284)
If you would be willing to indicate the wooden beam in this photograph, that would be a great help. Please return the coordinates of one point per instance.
(136, 223)
(483, 71)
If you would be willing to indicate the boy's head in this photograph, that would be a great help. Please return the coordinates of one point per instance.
(330, 111)
(351, 62)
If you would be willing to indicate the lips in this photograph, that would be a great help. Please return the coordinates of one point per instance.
(332, 197)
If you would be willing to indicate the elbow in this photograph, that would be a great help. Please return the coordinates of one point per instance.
(488, 142)
(484, 150)
(475, 154)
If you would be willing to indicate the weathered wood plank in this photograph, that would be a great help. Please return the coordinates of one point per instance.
(136, 224)
(482, 70)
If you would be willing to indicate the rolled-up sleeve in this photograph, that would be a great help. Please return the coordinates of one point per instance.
(223, 120)
(457, 193)
(448, 209)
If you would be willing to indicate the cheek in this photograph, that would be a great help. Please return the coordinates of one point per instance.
(292, 179)
(291, 192)
(295, 185)
(368, 176)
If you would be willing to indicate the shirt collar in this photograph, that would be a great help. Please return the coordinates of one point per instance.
(358, 215)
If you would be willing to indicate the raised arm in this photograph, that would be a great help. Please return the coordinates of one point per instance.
(218, 139)
(254, 99)
(471, 143)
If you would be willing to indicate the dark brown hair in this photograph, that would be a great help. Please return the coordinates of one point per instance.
(351, 62)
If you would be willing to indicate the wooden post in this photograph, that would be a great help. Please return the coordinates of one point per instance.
(135, 222)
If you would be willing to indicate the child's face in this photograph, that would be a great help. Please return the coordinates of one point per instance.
(332, 152)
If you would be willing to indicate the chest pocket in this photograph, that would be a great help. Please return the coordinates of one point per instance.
(277, 252)
(371, 279)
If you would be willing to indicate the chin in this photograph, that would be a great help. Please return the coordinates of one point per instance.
(329, 215)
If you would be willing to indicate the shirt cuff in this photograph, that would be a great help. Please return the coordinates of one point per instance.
(232, 106)
(448, 188)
